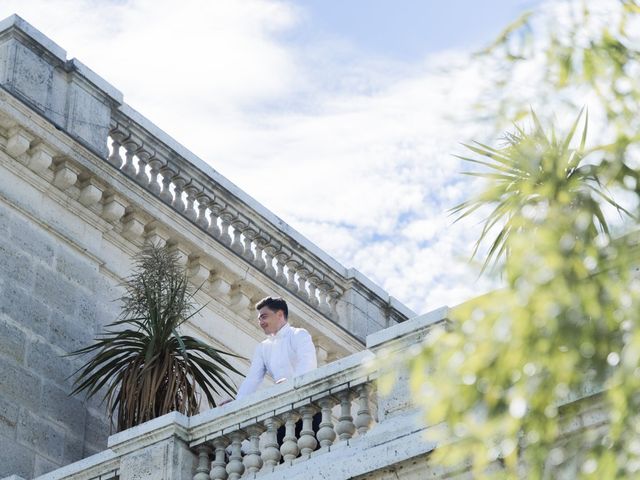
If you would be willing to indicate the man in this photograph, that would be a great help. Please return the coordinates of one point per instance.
(286, 352)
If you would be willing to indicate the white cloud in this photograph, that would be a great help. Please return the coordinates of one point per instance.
(354, 152)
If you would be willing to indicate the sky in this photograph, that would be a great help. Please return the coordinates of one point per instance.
(341, 117)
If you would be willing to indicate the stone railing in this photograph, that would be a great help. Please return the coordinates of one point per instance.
(91, 111)
(345, 386)
(198, 193)
(358, 428)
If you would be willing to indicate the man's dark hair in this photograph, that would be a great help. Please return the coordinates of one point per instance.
(274, 304)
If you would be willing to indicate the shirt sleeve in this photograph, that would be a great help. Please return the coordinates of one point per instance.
(255, 375)
(305, 352)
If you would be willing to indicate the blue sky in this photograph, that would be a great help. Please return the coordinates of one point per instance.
(340, 117)
(408, 30)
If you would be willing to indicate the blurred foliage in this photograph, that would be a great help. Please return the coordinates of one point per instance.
(541, 380)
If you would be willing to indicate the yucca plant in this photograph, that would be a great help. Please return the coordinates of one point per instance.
(531, 172)
(147, 367)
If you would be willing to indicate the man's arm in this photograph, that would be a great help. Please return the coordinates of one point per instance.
(305, 352)
(255, 376)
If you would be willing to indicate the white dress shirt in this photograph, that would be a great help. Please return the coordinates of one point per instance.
(284, 355)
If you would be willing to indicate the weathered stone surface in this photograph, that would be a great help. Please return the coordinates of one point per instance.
(63, 409)
(43, 358)
(44, 465)
(15, 265)
(15, 459)
(8, 418)
(76, 267)
(32, 240)
(41, 436)
(56, 291)
(13, 341)
(87, 311)
(96, 432)
(25, 310)
(69, 332)
(19, 385)
(169, 458)
(73, 449)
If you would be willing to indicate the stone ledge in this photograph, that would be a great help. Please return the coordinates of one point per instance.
(87, 468)
(375, 340)
(20, 24)
(172, 424)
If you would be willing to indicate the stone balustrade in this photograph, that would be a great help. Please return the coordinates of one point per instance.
(360, 430)
(244, 442)
(92, 112)
(227, 217)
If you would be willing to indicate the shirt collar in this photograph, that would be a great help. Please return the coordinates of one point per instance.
(283, 331)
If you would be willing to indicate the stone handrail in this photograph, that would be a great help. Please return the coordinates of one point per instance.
(346, 384)
(92, 112)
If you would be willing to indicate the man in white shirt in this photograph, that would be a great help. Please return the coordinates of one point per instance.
(286, 352)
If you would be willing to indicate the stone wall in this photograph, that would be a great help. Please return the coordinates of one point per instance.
(53, 300)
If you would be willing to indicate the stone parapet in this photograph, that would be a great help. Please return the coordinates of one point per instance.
(91, 111)
(239, 439)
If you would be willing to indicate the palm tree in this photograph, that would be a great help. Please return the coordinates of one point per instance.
(147, 367)
(529, 174)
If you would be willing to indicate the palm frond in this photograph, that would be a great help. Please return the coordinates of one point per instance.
(149, 368)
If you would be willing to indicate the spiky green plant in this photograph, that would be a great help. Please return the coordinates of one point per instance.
(529, 173)
(147, 367)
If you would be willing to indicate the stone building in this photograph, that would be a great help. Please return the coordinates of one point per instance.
(85, 182)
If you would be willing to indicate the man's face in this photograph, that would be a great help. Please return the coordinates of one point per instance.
(270, 321)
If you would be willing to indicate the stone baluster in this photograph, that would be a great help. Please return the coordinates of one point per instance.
(271, 452)
(214, 211)
(260, 241)
(178, 187)
(289, 448)
(167, 175)
(303, 274)
(238, 225)
(202, 470)
(130, 148)
(249, 233)
(190, 209)
(314, 280)
(226, 216)
(281, 259)
(326, 434)
(235, 467)
(334, 294)
(203, 204)
(363, 416)
(253, 460)
(155, 186)
(345, 428)
(143, 161)
(292, 266)
(117, 136)
(307, 441)
(323, 304)
(269, 255)
(218, 466)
